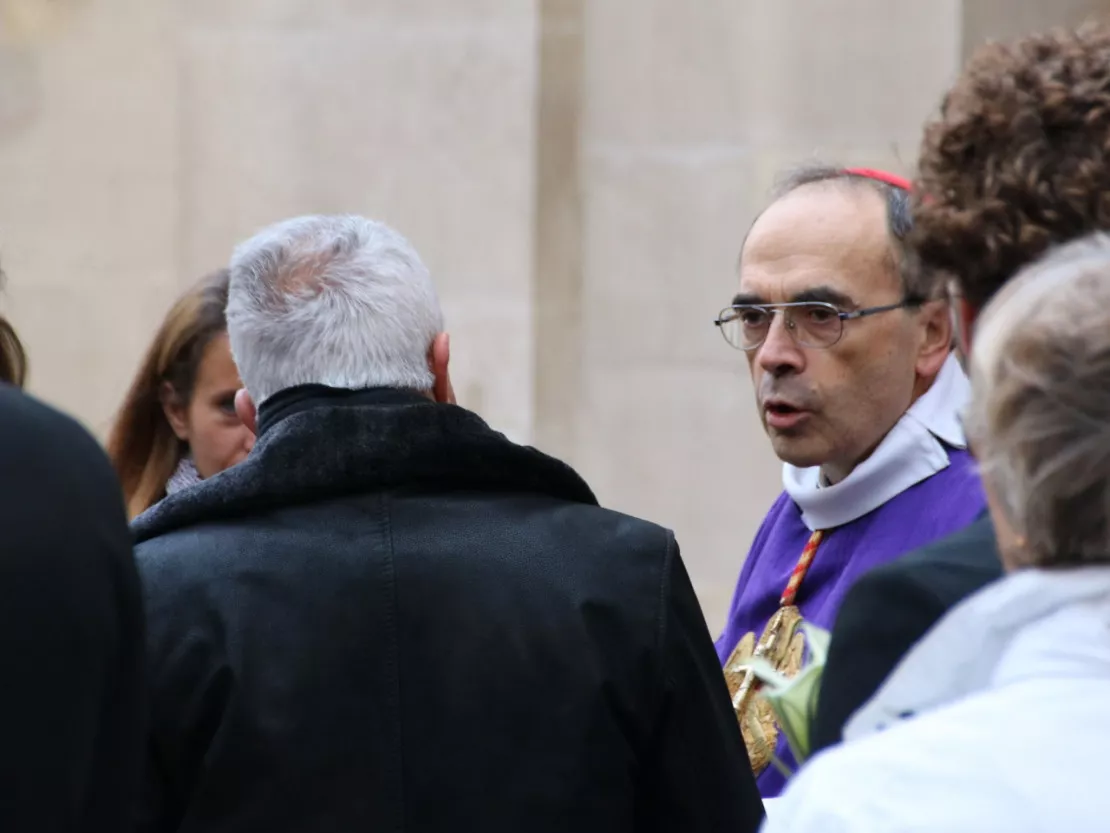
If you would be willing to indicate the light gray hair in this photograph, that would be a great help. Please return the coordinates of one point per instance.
(1039, 416)
(331, 300)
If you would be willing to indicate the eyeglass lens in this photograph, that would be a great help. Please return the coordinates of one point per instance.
(812, 325)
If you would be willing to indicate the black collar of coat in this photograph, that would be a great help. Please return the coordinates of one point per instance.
(317, 443)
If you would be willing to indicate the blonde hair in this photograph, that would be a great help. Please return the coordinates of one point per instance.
(142, 445)
(1039, 416)
(13, 358)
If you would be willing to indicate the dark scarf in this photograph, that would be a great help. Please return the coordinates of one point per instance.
(316, 443)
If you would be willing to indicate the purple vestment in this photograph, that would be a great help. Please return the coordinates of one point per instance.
(941, 504)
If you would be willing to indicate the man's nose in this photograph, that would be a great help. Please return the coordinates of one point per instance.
(779, 353)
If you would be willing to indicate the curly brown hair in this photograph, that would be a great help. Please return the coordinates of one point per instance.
(1018, 160)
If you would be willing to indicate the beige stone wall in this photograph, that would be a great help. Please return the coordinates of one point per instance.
(578, 174)
(159, 133)
(90, 201)
(983, 20)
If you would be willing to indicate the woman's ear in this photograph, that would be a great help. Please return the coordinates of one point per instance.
(177, 412)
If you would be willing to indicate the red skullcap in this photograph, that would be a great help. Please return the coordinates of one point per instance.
(880, 176)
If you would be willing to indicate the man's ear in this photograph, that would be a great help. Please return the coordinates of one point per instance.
(246, 411)
(177, 412)
(936, 340)
(439, 357)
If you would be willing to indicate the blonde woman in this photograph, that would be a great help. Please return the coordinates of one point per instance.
(177, 424)
(998, 718)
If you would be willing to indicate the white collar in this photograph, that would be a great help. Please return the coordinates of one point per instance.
(1030, 623)
(911, 451)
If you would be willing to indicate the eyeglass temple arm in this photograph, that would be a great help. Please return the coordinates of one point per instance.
(863, 313)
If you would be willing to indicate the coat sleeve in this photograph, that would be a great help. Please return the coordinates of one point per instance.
(71, 629)
(698, 777)
(880, 619)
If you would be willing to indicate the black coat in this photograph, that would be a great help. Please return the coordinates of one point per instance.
(391, 618)
(888, 610)
(71, 632)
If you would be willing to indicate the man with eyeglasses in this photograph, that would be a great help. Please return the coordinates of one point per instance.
(1008, 169)
(849, 349)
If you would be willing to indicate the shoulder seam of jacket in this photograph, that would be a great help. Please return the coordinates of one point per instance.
(661, 614)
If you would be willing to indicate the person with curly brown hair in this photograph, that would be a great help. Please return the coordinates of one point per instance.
(1015, 163)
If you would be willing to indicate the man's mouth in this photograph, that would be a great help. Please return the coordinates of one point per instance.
(783, 416)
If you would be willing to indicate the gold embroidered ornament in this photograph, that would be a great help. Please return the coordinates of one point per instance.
(782, 644)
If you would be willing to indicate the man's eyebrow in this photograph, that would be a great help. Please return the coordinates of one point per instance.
(820, 294)
(824, 294)
(747, 299)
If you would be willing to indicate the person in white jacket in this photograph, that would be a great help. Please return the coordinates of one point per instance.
(999, 719)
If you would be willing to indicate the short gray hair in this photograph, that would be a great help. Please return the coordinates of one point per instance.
(1039, 416)
(340, 301)
(916, 285)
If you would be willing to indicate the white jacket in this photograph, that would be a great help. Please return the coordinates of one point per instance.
(998, 720)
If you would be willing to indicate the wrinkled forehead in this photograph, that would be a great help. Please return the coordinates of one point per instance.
(826, 235)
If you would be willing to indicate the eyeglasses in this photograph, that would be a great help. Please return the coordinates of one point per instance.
(811, 323)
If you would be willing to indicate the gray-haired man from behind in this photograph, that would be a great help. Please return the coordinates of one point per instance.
(389, 617)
